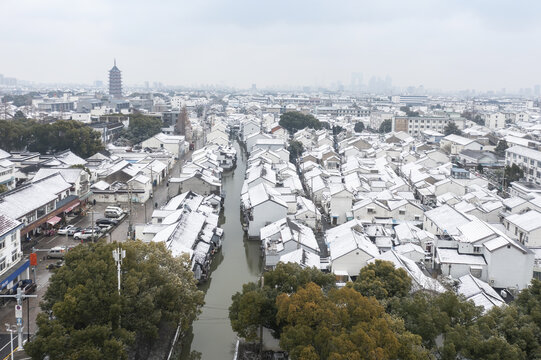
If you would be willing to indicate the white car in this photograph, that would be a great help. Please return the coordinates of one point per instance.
(87, 234)
(64, 230)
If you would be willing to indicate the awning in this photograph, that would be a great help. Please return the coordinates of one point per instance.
(53, 220)
(72, 207)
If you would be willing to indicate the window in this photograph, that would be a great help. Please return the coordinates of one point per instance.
(14, 255)
(371, 210)
(477, 249)
(2, 264)
(2, 243)
(476, 272)
(402, 212)
(13, 238)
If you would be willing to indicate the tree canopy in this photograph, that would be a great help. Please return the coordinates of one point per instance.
(294, 120)
(513, 173)
(386, 126)
(142, 127)
(315, 320)
(382, 280)
(84, 317)
(25, 134)
(359, 126)
(501, 147)
(295, 149)
(256, 305)
(342, 324)
(451, 128)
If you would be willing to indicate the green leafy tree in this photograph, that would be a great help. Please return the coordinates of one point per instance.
(501, 147)
(256, 305)
(19, 115)
(24, 134)
(386, 126)
(3, 188)
(294, 120)
(513, 173)
(382, 280)
(451, 128)
(359, 127)
(142, 127)
(480, 168)
(84, 317)
(295, 149)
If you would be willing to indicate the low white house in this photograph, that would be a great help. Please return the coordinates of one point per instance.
(350, 249)
(285, 236)
(525, 227)
(172, 143)
(261, 206)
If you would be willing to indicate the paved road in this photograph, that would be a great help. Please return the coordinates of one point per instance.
(5, 346)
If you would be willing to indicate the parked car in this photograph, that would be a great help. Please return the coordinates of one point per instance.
(65, 230)
(55, 265)
(88, 234)
(74, 230)
(106, 222)
(58, 252)
(113, 212)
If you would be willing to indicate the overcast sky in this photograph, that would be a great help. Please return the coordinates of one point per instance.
(454, 44)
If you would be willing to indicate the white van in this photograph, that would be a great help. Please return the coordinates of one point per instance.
(113, 212)
(58, 252)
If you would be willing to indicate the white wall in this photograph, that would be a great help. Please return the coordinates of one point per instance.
(352, 262)
(265, 214)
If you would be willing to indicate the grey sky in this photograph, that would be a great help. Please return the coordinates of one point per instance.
(454, 44)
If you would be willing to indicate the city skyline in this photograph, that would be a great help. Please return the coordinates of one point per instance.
(456, 46)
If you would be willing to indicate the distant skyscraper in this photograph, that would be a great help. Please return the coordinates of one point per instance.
(115, 82)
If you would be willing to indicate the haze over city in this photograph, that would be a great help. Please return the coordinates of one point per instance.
(486, 45)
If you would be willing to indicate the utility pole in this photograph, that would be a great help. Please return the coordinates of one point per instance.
(19, 314)
(131, 212)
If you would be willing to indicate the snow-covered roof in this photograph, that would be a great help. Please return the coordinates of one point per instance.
(527, 221)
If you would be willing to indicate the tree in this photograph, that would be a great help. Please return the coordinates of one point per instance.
(142, 127)
(382, 280)
(451, 128)
(84, 316)
(337, 129)
(513, 173)
(342, 324)
(501, 147)
(3, 188)
(255, 306)
(386, 126)
(19, 115)
(408, 111)
(359, 127)
(480, 168)
(200, 110)
(295, 149)
(26, 134)
(294, 120)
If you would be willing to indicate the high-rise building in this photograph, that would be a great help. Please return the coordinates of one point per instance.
(115, 82)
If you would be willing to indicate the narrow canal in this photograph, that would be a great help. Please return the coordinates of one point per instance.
(239, 262)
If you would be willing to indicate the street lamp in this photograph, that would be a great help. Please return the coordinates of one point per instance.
(11, 329)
